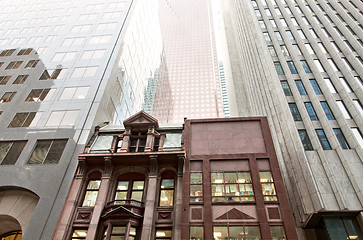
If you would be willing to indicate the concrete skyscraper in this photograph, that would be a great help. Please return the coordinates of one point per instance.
(190, 50)
(65, 67)
(299, 62)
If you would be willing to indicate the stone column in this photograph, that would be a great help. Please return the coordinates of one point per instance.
(178, 208)
(150, 139)
(150, 202)
(101, 200)
(64, 223)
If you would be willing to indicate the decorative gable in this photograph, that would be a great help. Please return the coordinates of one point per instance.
(140, 120)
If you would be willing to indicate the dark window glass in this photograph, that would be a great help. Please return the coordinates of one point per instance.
(295, 112)
(343, 143)
(47, 151)
(22, 120)
(305, 140)
(323, 140)
(292, 67)
(278, 68)
(10, 151)
(315, 86)
(311, 111)
(305, 66)
(300, 87)
(327, 110)
(286, 88)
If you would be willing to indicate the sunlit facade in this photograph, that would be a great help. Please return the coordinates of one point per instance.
(299, 62)
(64, 69)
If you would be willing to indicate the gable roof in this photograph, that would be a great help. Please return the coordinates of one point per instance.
(141, 119)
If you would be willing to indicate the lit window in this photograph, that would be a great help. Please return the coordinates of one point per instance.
(236, 232)
(323, 140)
(163, 234)
(130, 189)
(10, 151)
(268, 186)
(14, 65)
(119, 232)
(311, 111)
(196, 187)
(20, 79)
(305, 140)
(13, 235)
(343, 143)
(7, 97)
(197, 232)
(39, 95)
(327, 110)
(231, 186)
(92, 189)
(277, 232)
(79, 234)
(25, 119)
(295, 112)
(4, 79)
(47, 151)
(166, 193)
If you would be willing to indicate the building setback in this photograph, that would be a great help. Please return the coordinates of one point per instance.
(300, 64)
(212, 179)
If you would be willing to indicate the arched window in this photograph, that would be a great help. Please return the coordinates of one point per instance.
(92, 189)
(14, 235)
(167, 185)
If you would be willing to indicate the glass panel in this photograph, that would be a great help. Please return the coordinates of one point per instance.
(315, 86)
(323, 140)
(117, 238)
(268, 189)
(292, 67)
(40, 152)
(244, 177)
(118, 230)
(220, 232)
(167, 183)
(266, 177)
(196, 190)
(217, 190)
(277, 232)
(295, 112)
(94, 184)
(132, 231)
(232, 190)
(236, 233)
(4, 148)
(343, 143)
(246, 189)
(138, 185)
(286, 88)
(305, 140)
(217, 177)
(55, 151)
(136, 195)
(300, 87)
(90, 199)
(196, 233)
(161, 233)
(230, 177)
(166, 197)
(123, 185)
(311, 112)
(121, 196)
(327, 110)
(79, 233)
(195, 177)
(252, 233)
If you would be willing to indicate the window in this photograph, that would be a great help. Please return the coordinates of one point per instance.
(315, 86)
(300, 87)
(323, 140)
(305, 140)
(344, 110)
(311, 111)
(301, 34)
(292, 67)
(236, 232)
(47, 151)
(284, 50)
(94, 54)
(343, 143)
(196, 232)
(73, 41)
(167, 189)
(14, 65)
(330, 85)
(272, 51)
(81, 28)
(1, 63)
(297, 49)
(313, 33)
(92, 189)
(277, 232)
(231, 186)
(32, 64)
(64, 57)
(106, 26)
(20, 79)
(52, 74)
(268, 186)
(163, 234)
(79, 234)
(25, 119)
(7, 52)
(273, 23)
(62, 118)
(84, 72)
(10, 151)
(318, 65)
(26, 51)
(358, 136)
(295, 112)
(305, 66)
(4, 79)
(138, 142)
(278, 68)
(196, 187)
(7, 97)
(39, 95)
(74, 93)
(130, 187)
(286, 88)
(327, 110)
(278, 36)
(267, 37)
(119, 232)
(310, 50)
(100, 39)
(358, 106)
(322, 47)
(262, 24)
(289, 35)
(332, 64)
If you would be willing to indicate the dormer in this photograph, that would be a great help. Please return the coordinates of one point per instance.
(140, 134)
